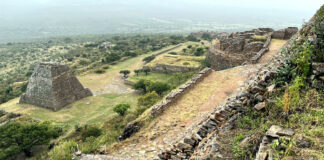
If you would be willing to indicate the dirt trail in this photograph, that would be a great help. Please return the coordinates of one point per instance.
(188, 110)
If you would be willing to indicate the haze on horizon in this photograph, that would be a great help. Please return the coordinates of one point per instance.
(28, 19)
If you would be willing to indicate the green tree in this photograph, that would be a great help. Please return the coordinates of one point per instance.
(148, 99)
(158, 87)
(192, 38)
(124, 72)
(16, 137)
(199, 51)
(207, 36)
(121, 108)
(112, 57)
(137, 71)
(142, 85)
(146, 70)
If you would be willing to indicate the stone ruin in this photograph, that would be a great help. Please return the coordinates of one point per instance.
(244, 47)
(53, 86)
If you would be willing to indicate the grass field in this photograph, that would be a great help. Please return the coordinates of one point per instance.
(184, 59)
(93, 109)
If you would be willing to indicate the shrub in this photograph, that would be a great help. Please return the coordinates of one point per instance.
(148, 99)
(91, 131)
(141, 85)
(121, 108)
(63, 151)
(149, 58)
(186, 63)
(16, 137)
(284, 74)
(112, 57)
(199, 52)
(90, 145)
(158, 87)
(100, 71)
(173, 53)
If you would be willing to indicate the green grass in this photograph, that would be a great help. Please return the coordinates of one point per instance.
(161, 77)
(259, 38)
(90, 110)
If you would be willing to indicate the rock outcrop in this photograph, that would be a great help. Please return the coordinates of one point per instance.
(53, 86)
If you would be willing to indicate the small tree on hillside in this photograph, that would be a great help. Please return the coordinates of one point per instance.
(137, 71)
(199, 51)
(121, 108)
(125, 73)
(146, 70)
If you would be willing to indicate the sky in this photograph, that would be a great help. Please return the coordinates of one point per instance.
(42, 18)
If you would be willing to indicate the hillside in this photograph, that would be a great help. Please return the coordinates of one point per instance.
(255, 94)
(276, 113)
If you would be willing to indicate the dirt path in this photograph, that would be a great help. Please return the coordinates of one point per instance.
(187, 111)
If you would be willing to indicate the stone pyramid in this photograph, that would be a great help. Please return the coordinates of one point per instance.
(53, 86)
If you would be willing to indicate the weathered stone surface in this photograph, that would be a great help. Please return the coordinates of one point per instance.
(129, 130)
(260, 106)
(286, 33)
(53, 86)
(277, 131)
(303, 142)
(318, 68)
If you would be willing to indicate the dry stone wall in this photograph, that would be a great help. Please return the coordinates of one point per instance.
(171, 98)
(200, 142)
(174, 96)
(244, 47)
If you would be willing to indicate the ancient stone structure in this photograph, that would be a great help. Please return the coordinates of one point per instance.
(171, 98)
(318, 75)
(286, 33)
(201, 141)
(244, 47)
(53, 86)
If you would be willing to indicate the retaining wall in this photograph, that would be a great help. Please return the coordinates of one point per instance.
(175, 95)
(199, 140)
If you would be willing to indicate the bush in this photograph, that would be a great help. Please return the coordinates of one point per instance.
(100, 71)
(63, 151)
(173, 53)
(148, 99)
(186, 63)
(141, 85)
(199, 52)
(158, 87)
(91, 131)
(121, 108)
(149, 58)
(16, 137)
(112, 57)
(90, 145)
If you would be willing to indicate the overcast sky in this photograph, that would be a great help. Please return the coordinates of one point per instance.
(59, 17)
